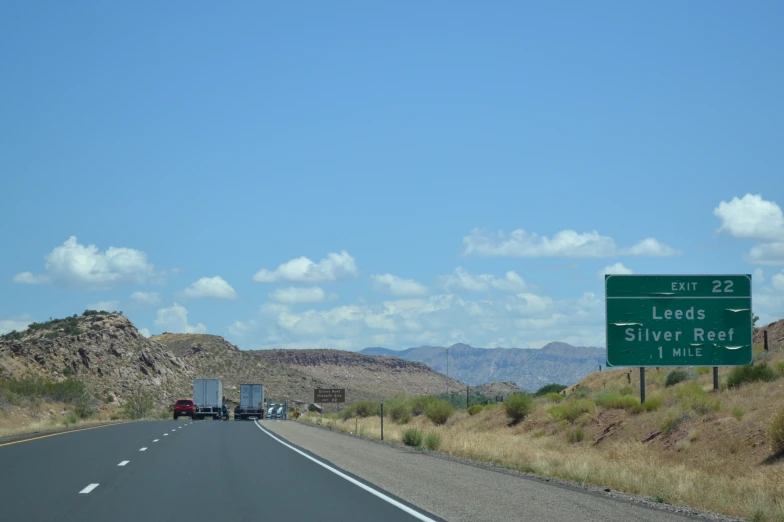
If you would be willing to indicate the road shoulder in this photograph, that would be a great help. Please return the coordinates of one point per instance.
(455, 488)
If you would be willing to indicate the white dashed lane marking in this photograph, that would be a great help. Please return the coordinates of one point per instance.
(89, 488)
(123, 463)
(156, 440)
(143, 449)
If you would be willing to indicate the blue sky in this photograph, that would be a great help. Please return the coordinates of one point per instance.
(451, 172)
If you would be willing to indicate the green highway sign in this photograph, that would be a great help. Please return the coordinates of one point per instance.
(678, 320)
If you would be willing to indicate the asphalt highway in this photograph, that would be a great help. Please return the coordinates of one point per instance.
(183, 471)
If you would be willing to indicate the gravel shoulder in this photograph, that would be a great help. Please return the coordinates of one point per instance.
(459, 490)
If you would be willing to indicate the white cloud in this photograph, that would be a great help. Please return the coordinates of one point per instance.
(616, 269)
(145, 332)
(511, 320)
(758, 276)
(27, 278)
(751, 217)
(19, 324)
(462, 280)
(397, 285)
(75, 265)
(106, 306)
(294, 295)
(566, 243)
(146, 298)
(302, 269)
(650, 247)
(778, 281)
(239, 328)
(210, 288)
(175, 320)
(766, 254)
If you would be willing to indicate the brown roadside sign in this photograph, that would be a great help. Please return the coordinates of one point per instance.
(329, 395)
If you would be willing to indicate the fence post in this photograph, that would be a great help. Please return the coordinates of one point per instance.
(642, 384)
(382, 421)
(765, 337)
(467, 405)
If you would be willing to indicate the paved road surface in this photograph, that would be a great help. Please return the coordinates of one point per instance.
(200, 471)
(213, 471)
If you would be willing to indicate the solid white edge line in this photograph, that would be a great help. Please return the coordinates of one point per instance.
(367, 488)
(123, 463)
(143, 449)
(88, 488)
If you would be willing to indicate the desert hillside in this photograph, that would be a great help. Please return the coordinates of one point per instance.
(380, 375)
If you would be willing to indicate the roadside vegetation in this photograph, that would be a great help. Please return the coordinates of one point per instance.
(689, 444)
(54, 328)
(30, 404)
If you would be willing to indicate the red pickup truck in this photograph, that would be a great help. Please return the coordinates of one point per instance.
(184, 408)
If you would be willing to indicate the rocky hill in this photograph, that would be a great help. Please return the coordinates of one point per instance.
(530, 369)
(104, 350)
(214, 357)
(775, 335)
(381, 375)
(107, 352)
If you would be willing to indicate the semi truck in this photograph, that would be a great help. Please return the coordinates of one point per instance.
(207, 398)
(251, 402)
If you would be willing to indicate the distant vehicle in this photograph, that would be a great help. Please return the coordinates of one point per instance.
(251, 402)
(184, 408)
(271, 412)
(208, 398)
(279, 413)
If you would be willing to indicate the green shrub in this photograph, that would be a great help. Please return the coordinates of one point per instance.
(672, 420)
(693, 397)
(400, 413)
(412, 437)
(676, 376)
(361, 409)
(139, 405)
(518, 406)
(702, 370)
(433, 441)
(626, 390)
(549, 388)
(570, 410)
(575, 435)
(777, 432)
(737, 413)
(555, 397)
(746, 374)
(613, 401)
(581, 393)
(780, 367)
(83, 409)
(439, 411)
(473, 410)
(650, 404)
(420, 403)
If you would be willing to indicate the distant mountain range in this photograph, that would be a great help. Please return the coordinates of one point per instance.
(530, 369)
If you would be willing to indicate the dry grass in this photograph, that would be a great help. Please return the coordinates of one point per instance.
(713, 458)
